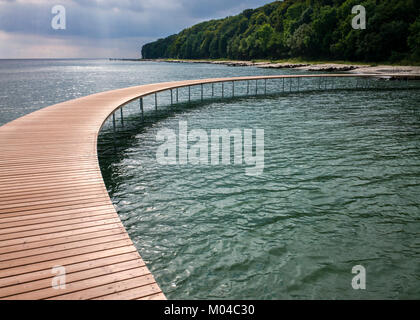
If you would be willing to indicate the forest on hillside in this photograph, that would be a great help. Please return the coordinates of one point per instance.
(310, 29)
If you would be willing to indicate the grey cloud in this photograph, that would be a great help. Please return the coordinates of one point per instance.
(112, 18)
(93, 20)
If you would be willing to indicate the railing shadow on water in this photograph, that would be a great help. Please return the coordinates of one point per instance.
(112, 145)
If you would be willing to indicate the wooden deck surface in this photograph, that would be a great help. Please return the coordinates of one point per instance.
(55, 209)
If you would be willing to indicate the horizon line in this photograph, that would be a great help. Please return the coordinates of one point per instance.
(66, 58)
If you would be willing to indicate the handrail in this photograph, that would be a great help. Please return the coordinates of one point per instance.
(186, 83)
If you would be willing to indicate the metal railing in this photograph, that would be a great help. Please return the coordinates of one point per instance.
(272, 85)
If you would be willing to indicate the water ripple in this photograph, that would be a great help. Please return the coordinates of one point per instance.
(340, 187)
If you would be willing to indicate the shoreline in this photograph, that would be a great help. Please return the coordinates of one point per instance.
(413, 72)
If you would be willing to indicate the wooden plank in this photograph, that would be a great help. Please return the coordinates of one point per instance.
(45, 283)
(17, 249)
(156, 296)
(70, 268)
(40, 258)
(28, 235)
(33, 214)
(66, 219)
(132, 294)
(97, 292)
(55, 235)
(20, 270)
(40, 226)
(60, 247)
(55, 206)
(63, 214)
(80, 285)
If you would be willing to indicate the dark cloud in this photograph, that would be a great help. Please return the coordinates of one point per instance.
(114, 19)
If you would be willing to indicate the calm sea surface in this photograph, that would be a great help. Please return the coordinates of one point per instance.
(340, 185)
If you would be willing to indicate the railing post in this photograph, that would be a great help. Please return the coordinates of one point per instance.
(201, 92)
(212, 89)
(176, 95)
(156, 101)
(189, 93)
(172, 102)
(114, 131)
(247, 87)
(113, 123)
(290, 88)
(122, 117)
(265, 86)
(233, 88)
(256, 86)
(283, 84)
(141, 109)
(298, 84)
(223, 89)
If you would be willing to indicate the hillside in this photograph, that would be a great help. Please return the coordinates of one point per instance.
(302, 28)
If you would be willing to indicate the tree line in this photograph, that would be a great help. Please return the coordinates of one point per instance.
(310, 29)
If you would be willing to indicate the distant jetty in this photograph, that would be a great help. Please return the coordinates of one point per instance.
(129, 59)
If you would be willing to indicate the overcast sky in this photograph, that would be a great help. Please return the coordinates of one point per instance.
(101, 28)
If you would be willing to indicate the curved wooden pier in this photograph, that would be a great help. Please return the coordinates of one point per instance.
(55, 210)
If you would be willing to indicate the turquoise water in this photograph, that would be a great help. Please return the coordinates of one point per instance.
(339, 188)
(28, 85)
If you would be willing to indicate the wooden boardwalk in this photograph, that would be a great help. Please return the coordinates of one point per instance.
(55, 209)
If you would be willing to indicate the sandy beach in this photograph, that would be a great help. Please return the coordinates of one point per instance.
(411, 71)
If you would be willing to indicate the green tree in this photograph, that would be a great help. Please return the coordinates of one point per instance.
(302, 28)
(414, 39)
